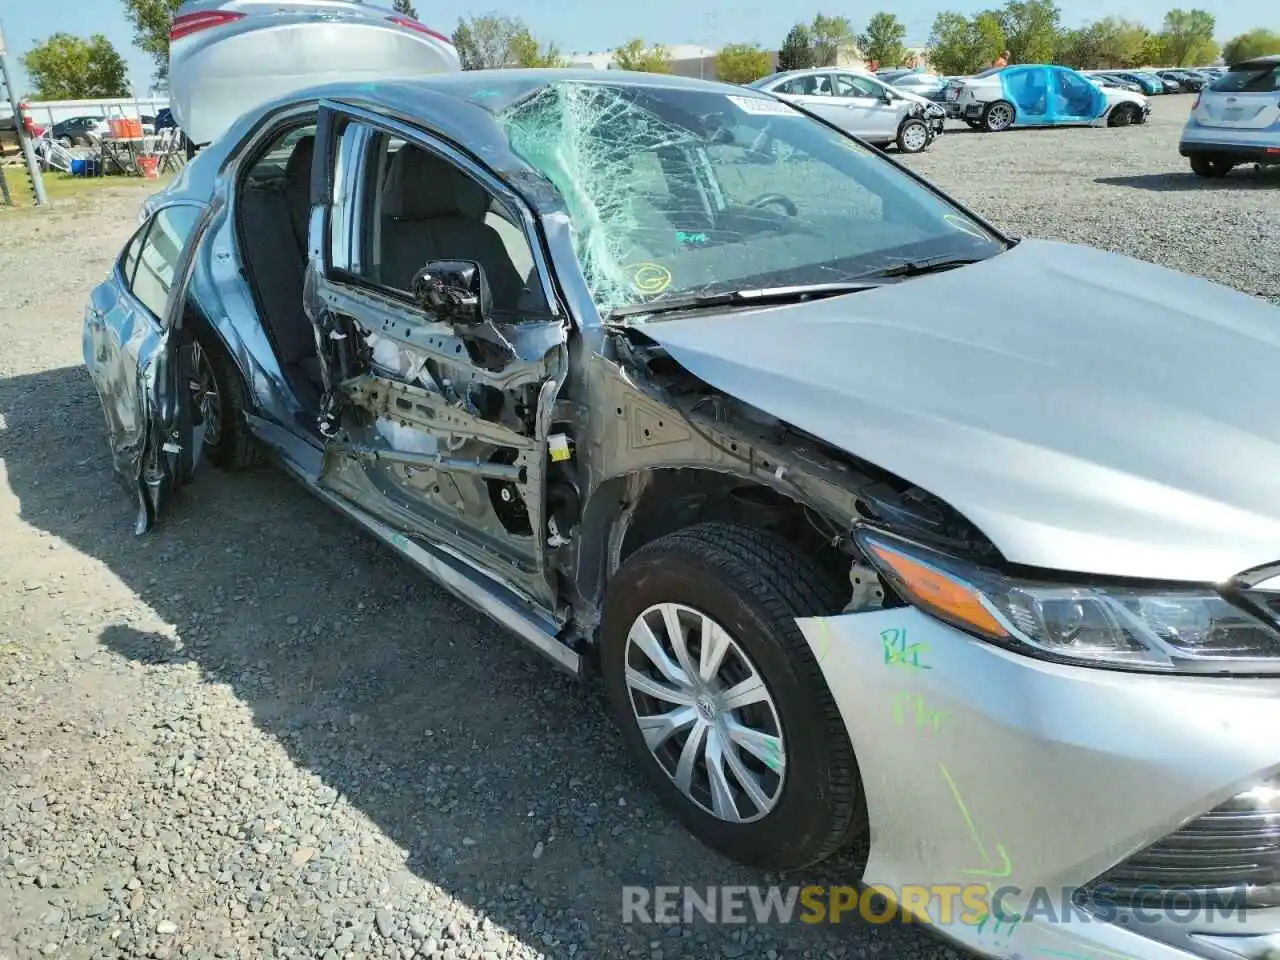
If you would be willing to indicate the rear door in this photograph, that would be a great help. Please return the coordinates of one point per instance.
(1243, 99)
(144, 360)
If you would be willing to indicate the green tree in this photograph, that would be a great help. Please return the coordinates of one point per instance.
(486, 42)
(1109, 42)
(1255, 43)
(66, 67)
(1030, 30)
(797, 49)
(1188, 37)
(884, 40)
(1153, 54)
(959, 45)
(742, 62)
(634, 55)
(405, 7)
(829, 35)
(151, 20)
(527, 52)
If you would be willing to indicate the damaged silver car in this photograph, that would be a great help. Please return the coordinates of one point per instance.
(876, 523)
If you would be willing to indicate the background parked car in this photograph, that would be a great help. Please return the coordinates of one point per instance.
(79, 131)
(1107, 80)
(1187, 81)
(861, 105)
(1037, 95)
(1235, 120)
(928, 85)
(1150, 84)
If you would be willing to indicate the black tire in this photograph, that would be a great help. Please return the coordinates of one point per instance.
(913, 136)
(1001, 109)
(235, 448)
(1122, 115)
(1209, 167)
(754, 585)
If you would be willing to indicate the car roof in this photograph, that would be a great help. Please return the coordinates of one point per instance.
(1258, 63)
(463, 106)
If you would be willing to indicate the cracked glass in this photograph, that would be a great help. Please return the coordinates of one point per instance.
(678, 191)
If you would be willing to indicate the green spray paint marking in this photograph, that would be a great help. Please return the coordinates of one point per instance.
(1007, 868)
(898, 654)
(926, 718)
(682, 237)
(773, 754)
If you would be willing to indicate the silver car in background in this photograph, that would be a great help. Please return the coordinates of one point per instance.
(862, 105)
(1235, 119)
(229, 56)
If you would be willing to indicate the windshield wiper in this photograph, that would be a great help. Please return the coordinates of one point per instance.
(917, 268)
(796, 294)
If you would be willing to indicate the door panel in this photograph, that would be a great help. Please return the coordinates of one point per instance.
(143, 359)
(1076, 100)
(878, 120)
(1027, 88)
(438, 427)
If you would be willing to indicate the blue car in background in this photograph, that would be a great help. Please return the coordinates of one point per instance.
(1039, 95)
(1149, 82)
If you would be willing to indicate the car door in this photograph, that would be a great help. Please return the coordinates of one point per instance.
(439, 421)
(144, 360)
(1075, 99)
(866, 102)
(1028, 89)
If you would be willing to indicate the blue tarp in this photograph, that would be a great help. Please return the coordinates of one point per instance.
(1049, 95)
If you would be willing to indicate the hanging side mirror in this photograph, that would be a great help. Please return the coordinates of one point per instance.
(455, 291)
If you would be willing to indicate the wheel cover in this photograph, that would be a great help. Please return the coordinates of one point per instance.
(705, 713)
(1000, 116)
(205, 397)
(914, 137)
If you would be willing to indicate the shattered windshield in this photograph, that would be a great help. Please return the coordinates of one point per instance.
(675, 192)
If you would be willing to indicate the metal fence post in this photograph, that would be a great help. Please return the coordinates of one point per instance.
(28, 151)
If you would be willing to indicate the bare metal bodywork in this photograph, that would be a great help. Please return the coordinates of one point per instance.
(1051, 412)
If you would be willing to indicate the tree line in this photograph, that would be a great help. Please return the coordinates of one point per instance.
(67, 67)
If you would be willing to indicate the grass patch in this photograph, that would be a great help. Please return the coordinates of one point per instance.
(62, 187)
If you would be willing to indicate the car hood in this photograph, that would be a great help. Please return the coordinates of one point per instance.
(1088, 412)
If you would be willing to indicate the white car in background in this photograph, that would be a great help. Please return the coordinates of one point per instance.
(862, 105)
(1235, 120)
(230, 56)
(1041, 95)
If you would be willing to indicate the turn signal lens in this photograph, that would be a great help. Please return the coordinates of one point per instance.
(190, 23)
(410, 24)
(944, 595)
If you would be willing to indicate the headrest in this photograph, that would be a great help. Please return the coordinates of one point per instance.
(420, 185)
(297, 171)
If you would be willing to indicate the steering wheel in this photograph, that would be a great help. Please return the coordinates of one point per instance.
(778, 199)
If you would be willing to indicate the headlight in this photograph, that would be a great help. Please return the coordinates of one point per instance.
(1173, 627)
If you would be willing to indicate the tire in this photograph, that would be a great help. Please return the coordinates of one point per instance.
(753, 585)
(1123, 115)
(913, 136)
(998, 116)
(1208, 167)
(229, 444)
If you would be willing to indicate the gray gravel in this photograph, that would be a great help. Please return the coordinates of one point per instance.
(253, 733)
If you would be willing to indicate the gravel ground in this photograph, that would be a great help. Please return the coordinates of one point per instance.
(253, 733)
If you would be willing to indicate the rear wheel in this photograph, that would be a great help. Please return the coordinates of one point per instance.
(913, 136)
(1210, 167)
(720, 700)
(218, 401)
(998, 116)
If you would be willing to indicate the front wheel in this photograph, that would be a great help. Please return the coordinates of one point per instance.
(720, 700)
(1123, 115)
(913, 136)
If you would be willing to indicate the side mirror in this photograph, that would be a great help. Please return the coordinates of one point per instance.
(456, 291)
